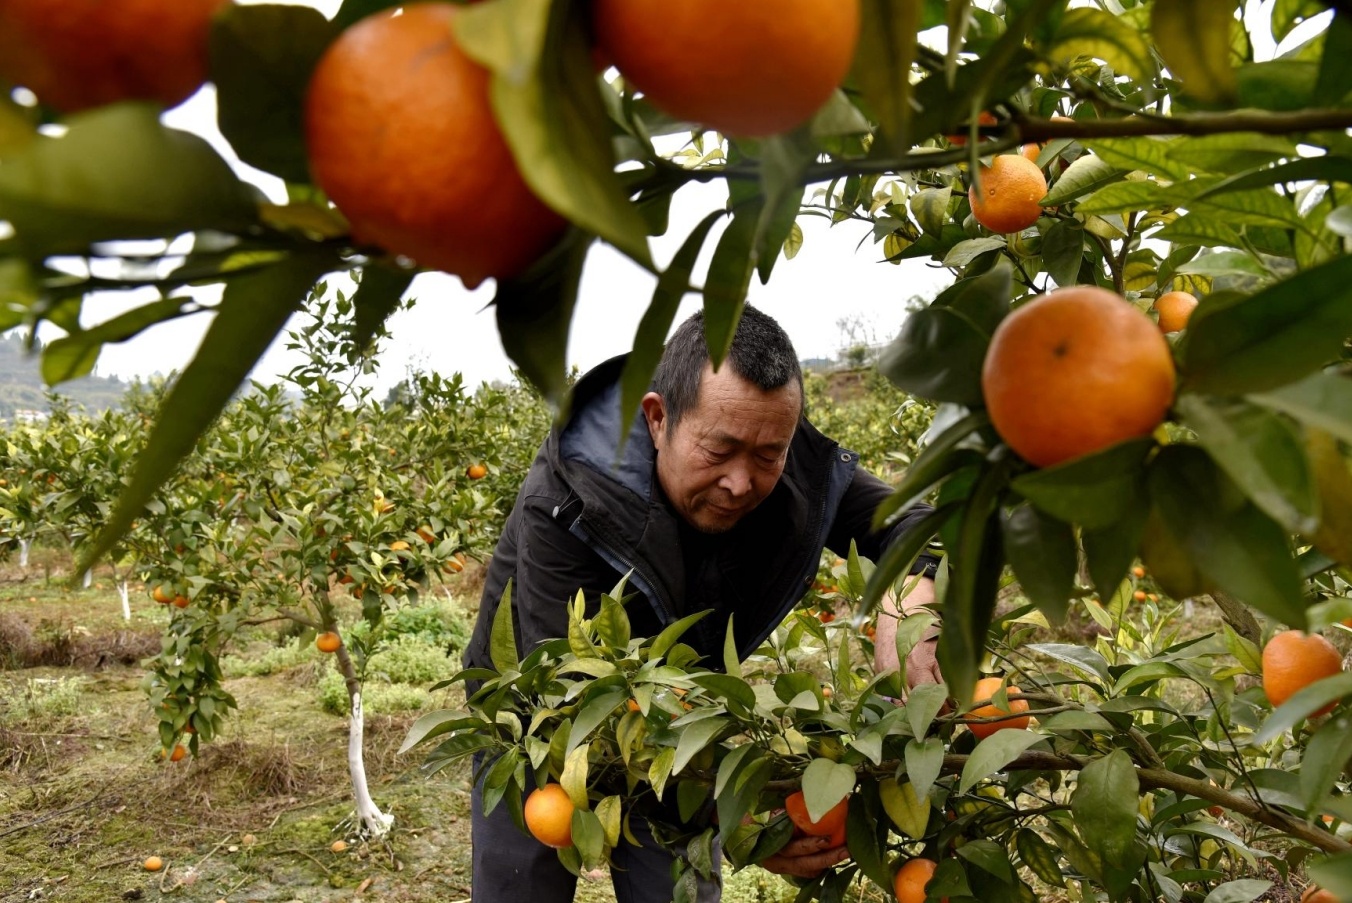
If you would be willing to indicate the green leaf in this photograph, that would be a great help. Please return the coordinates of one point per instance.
(1334, 873)
(252, 312)
(600, 703)
(695, 737)
(660, 769)
(1147, 154)
(729, 688)
(995, 752)
(1044, 556)
(1094, 491)
(1224, 263)
(117, 173)
(1262, 453)
(672, 633)
(1193, 37)
(1096, 33)
(1244, 650)
(988, 856)
(1040, 857)
(732, 662)
(261, 60)
(74, 355)
(1241, 891)
(907, 810)
(922, 705)
(1325, 169)
(1081, 658)
(1287, 14)
(546, 101)
(929, 206)
(535, 310)
(1302, 705)
(1253, 207)
(1110, 550)
(1104, 805)
(1322, 400)
(882, 66)
(899, 556)
(924, 763)
(1233, 152)
(1087, 174)
(378, 294)
(1200, 229)
(1234, 544)
(965, 252)
(825, 783)
(784, 160)
(1335, 64)
(1264, 341)
(728, 279)
(502, 638)
(1326, 755)
(1121, 197)
(939, 351)
(1063, 250)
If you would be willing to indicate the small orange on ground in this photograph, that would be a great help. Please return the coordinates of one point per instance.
(746, 69)
(79, 54)
(162, 594)
(1292, 660)
(826, 616)
(1139, 595)
(1316, 894)
(153, 864)
(549, 816)
(912, 879)
(1010, 189)
(401, 135)
(834, 819)
(476, 471)
(179, 752)
(328, 641)
(338, 846)
(1075, 371)
(399, 545)
(827, 692)
(1138, 572)
(182, 601)
(985, 688)
(1174, 309)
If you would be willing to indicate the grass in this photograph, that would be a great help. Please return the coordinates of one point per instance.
(85, 798)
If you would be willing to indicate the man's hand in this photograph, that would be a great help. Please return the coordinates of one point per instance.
(922, 667)
(805, 857)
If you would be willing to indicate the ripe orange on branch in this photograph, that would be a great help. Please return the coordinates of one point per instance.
(549, 816)
(1292, 660)
(1075, 371)
(78, 54)
(986, 688)
(1174, 309)
(401, 136)
(1010, 189)
(752, 68)
(831, 823)
(912, 879)
(328, 641)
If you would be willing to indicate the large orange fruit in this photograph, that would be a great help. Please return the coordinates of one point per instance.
(77, 54)
(401, 135)
(549, 816)
(750, 68)
(1174, 309)
(1010, 190)
(1075, 371)
(834, 819)
(1292, 660)
(985, 688)
(912, 878)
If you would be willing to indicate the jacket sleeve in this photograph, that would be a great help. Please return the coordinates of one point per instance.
(854, 520)
(551, 566)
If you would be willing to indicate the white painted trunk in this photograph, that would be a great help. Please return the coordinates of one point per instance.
(126, 599)
(369, 817)
(88, 579)
(23, 552)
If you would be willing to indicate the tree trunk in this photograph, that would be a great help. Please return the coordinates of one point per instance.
(370, 820)
(23, 552)
(126, 600)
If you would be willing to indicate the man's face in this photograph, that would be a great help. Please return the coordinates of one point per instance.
(727, 453)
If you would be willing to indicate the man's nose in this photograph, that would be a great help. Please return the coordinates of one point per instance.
(736, 481)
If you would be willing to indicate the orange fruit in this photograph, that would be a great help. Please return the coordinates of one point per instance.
(1138, 572)
(1316, 894)
(328, 641)
(960, 139)
(426, 535)
(1174, 309)
(632, 705)
(182, 601)
(985, 688)
(837, 837)
(399, 545)
(338, 846)
(834, 819)
(1139, 595)
(1010, 190)
(759, 67)
(153, 864)
(78, 54)
(1075, 371)
(178, 753)
(476, 471)
(826, 617)
(912, 879)
(549, 816)
(456, 563)
(162, 594)
(401, 136)
(1292, 660)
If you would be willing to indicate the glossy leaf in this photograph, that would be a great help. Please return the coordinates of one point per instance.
(1109, 550)
(1326, 756)
(1146, 154)
(1063, 251)
(502, 638)
(825, 783)
(1193, 37)
(1104, 804)
(1044, 556)
(695, 737)
(1086, 175)
(1039, 856)
(729, 277)
(1096, 33)
(995, 752)
(924, 762)
(1095, 491)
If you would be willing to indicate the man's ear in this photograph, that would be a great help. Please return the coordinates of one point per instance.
(655, 412)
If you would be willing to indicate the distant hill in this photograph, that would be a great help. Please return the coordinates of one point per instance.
(21, 386)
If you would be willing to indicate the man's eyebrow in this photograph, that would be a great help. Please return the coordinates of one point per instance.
(720, 437)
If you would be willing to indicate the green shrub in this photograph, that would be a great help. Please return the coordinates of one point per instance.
(434, 622)
(42, 698)
(378, 696)
(276, 659)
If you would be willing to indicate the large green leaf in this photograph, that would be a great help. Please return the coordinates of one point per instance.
(377, 296)
(547, 102)
(1326, 756)
(937, 459)
(940, 349)
(1328, 168)
(1087, 174)
(825, 783)
(994, 753)
(1321, 400)
(1063, 251)
(728, 278)
(1232, 542)
(1121, 197)
(1094, 491)
(882, 66)
(261, 60)
(74, 355)
(1261, 452)
(1267, 340)
(1193, 37)
(1147, 154)
(252, 312)
(535, 311)
(1231, 152)
(784, 160)
(117, 173)
(1044, 556)
(1109, 550)
(1104, 804)
(1091, 32)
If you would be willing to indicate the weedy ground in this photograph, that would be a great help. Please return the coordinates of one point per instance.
(85, 797)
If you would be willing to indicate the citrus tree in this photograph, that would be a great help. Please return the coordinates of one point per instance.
(1071, 164)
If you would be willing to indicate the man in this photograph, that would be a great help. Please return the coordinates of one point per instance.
(723, 499)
